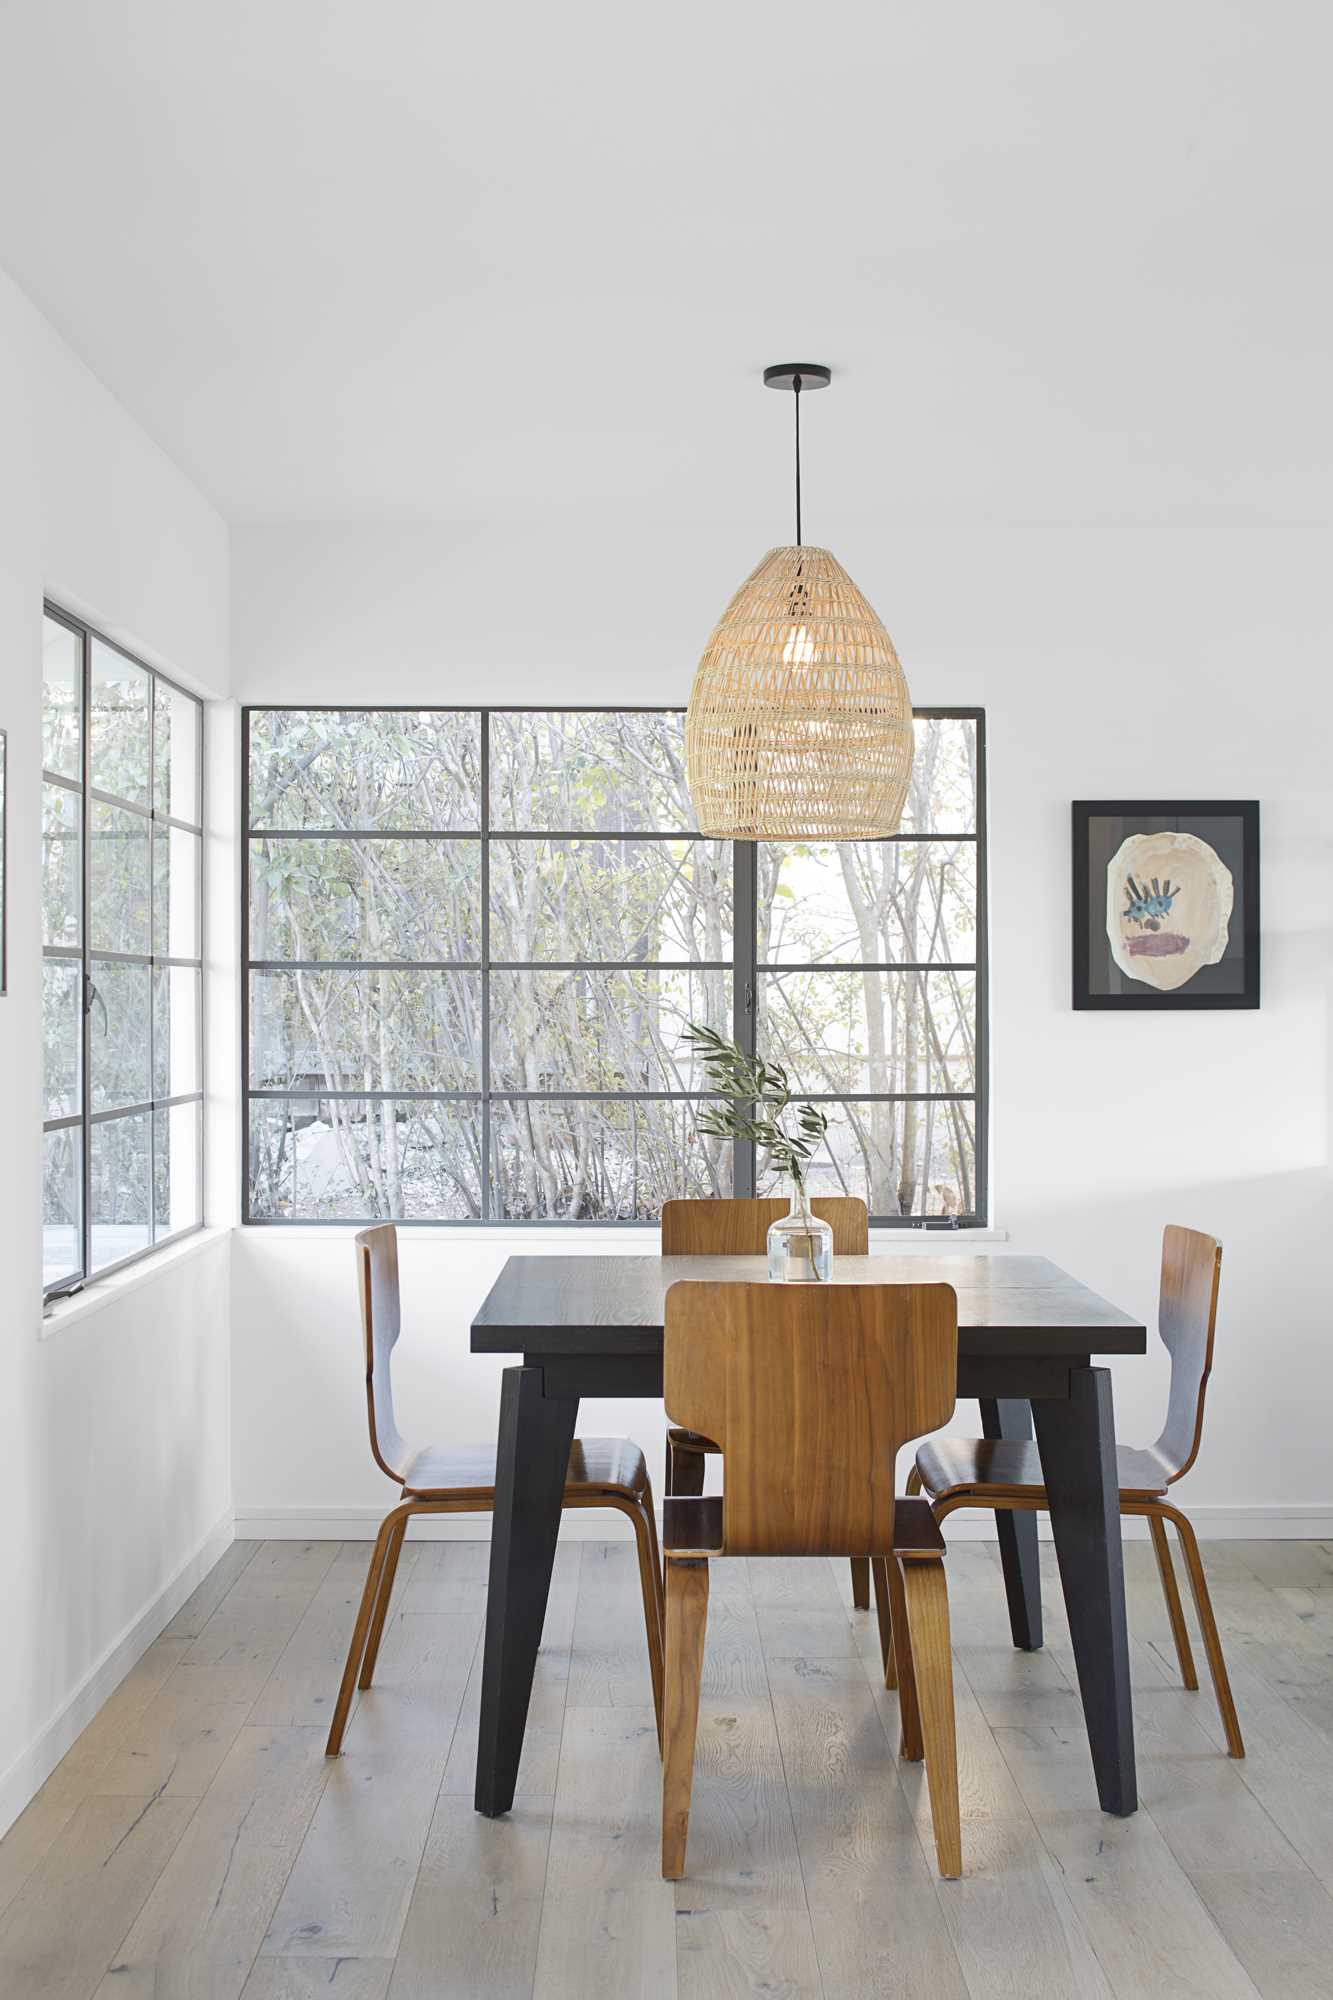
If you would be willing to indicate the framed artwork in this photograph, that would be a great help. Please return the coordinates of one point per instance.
(1166, 903)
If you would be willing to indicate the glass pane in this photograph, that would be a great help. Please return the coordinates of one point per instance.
(611, 899)
(177, 1202)
(376, 899)
(365, 770)
(118, 1035)
(575, 771)
(602, 1030)
(118, 723)
(61, 813)
(175, 752)
(175, 1030)
(62, 1198)
(364, 1160)
(119, 1191)
(176, 860)
(118, 911)
(62, 1038)
(848, 1032)
(942, 794)
(62, 676)
(849, 901)
(365, 1030)
(601, 1162)
(902, 1159)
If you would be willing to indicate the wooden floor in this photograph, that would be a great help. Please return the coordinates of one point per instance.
(195, 1842)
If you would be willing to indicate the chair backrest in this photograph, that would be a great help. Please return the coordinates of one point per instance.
(810, 1391)
(1187, 1322)
(739, 1228)
(381, 1320)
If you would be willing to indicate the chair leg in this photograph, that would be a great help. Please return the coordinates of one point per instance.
(359, 1631)
(861, 1583)
(387, 1576)
(686, 1620)
(650, 1582)
(1174, 1609)
(1212, 1644)
(909, 1713)
(884, 1613)
(928, 1623)
(684, 1470)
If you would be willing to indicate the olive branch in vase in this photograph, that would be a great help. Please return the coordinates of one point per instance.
(758, 1099)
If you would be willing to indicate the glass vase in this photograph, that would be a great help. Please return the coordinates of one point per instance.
(800, 1246)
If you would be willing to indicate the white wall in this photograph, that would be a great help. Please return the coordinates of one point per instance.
(1177, 654)
(114, 1423)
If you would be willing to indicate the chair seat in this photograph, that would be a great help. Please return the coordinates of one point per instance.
(690, 1441)
(596, 1465)
(693, 1525)
(951, 1466)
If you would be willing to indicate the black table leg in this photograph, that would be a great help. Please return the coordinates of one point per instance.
(1077, 1444)
(532, 1461)
(1012, 1418)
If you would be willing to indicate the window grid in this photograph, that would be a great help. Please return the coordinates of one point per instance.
(745, 967)
(85, 955)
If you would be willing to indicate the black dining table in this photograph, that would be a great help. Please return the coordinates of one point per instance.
(1028, 1335)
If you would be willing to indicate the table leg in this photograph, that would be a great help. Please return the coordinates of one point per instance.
(1012, 1418)
(531, 1465)
(1077, 1444)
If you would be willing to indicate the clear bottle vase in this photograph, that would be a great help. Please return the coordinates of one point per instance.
(800, 1246)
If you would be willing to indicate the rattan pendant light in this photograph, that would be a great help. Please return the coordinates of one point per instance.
(800, 724)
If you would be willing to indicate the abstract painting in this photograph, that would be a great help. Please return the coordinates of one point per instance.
(1166, 903)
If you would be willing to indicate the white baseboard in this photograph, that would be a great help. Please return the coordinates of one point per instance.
(33, 1766)
(356, 1524)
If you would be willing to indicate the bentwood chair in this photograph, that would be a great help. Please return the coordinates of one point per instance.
(978, 1472)
(454, 1479)
(739, 1228)
(843, 1375)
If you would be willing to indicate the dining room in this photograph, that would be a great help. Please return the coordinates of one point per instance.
(642, 656)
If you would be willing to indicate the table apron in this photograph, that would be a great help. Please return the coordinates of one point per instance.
(1041, 1376)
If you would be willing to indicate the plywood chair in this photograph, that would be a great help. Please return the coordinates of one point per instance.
(456, 1479)
(983, 1472)
(739, 1228)
(810, 1391)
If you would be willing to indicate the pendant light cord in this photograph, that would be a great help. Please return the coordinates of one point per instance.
(796, 385)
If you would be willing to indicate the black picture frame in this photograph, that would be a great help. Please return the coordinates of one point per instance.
(1231, 828)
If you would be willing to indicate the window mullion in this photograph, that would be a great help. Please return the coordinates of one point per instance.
(487, 1193)
(152, 968)
(85, 940)
(745, 946)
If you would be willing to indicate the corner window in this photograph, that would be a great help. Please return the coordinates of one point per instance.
(122, 865)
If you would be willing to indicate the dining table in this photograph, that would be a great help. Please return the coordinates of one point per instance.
(1029, 1341)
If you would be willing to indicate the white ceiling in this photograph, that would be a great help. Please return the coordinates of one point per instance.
(346, 259)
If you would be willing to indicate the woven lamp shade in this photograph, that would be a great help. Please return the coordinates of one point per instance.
(800, 722)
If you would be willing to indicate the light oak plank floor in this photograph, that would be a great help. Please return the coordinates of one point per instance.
(195, 1844)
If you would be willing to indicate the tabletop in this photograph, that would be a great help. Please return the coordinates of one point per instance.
(615, 1305)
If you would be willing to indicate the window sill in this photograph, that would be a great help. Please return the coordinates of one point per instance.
(626, 1239)
(109, 1291)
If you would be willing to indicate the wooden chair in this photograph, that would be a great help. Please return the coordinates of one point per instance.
(455, 1479)
(979, 1472)
(739, 1228)
(841, 1377)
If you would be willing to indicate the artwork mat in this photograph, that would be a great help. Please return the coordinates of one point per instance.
(1089, 908)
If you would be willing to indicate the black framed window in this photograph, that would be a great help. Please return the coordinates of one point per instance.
(122, 908)
(474, 940)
